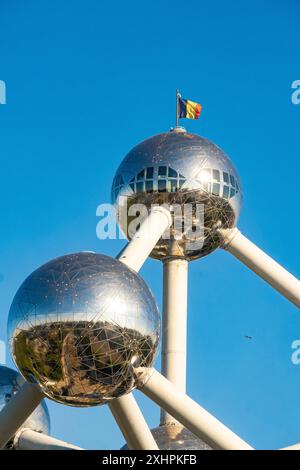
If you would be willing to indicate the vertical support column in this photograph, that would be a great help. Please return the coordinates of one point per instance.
(174, 334)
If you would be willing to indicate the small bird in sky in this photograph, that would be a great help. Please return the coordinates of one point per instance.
(248, 337)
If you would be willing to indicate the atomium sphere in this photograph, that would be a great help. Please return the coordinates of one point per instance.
(10, 384)
(192, 176)
(176, 437)
(79, 325)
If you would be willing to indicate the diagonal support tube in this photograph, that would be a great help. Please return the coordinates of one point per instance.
(293, 447)
(132, 423)
(262, 264)
(152, 228)
(17, 410)
(26, 439)
(125, 409)
(187, 412)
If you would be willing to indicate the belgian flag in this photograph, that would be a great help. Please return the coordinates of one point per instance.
(189, 109)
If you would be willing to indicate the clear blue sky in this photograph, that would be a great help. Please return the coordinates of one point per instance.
(87, 80)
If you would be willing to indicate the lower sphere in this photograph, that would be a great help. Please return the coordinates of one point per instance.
(176, 437)
(79, 325)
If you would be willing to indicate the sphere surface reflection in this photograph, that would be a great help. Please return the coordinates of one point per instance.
(174, 436)
(10, 384)
(191, 174)
(79, 324)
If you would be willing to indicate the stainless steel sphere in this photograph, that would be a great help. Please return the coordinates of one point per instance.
(183, 169)
(79, 324)
(176, 437)
(10, 384)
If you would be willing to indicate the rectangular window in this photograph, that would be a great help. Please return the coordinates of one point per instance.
(162, 186)
(162, 171)
(149, 186)
(216, 189)
(216, 175)
(149, 173)
(181, 182)
(226, 192)
(232, 180)
(173, 188)
(225, 177)
(140, 187)
(232, 192)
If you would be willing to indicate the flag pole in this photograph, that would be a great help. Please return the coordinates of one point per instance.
(177, 108)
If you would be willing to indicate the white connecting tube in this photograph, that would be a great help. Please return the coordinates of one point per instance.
(26, 439)
(152, 228)
(17, 410)
(187, 412)
(293, 447)
(132, 423)
(262, 264)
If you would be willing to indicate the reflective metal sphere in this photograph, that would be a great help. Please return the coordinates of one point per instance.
(176, 437)
(10, 384)
(79, 324)
(179, 168)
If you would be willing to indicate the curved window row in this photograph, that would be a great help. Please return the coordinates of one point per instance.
(166, 179)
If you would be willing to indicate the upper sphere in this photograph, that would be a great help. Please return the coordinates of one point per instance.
(10, 384)
(187, 170)
(79, 324)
